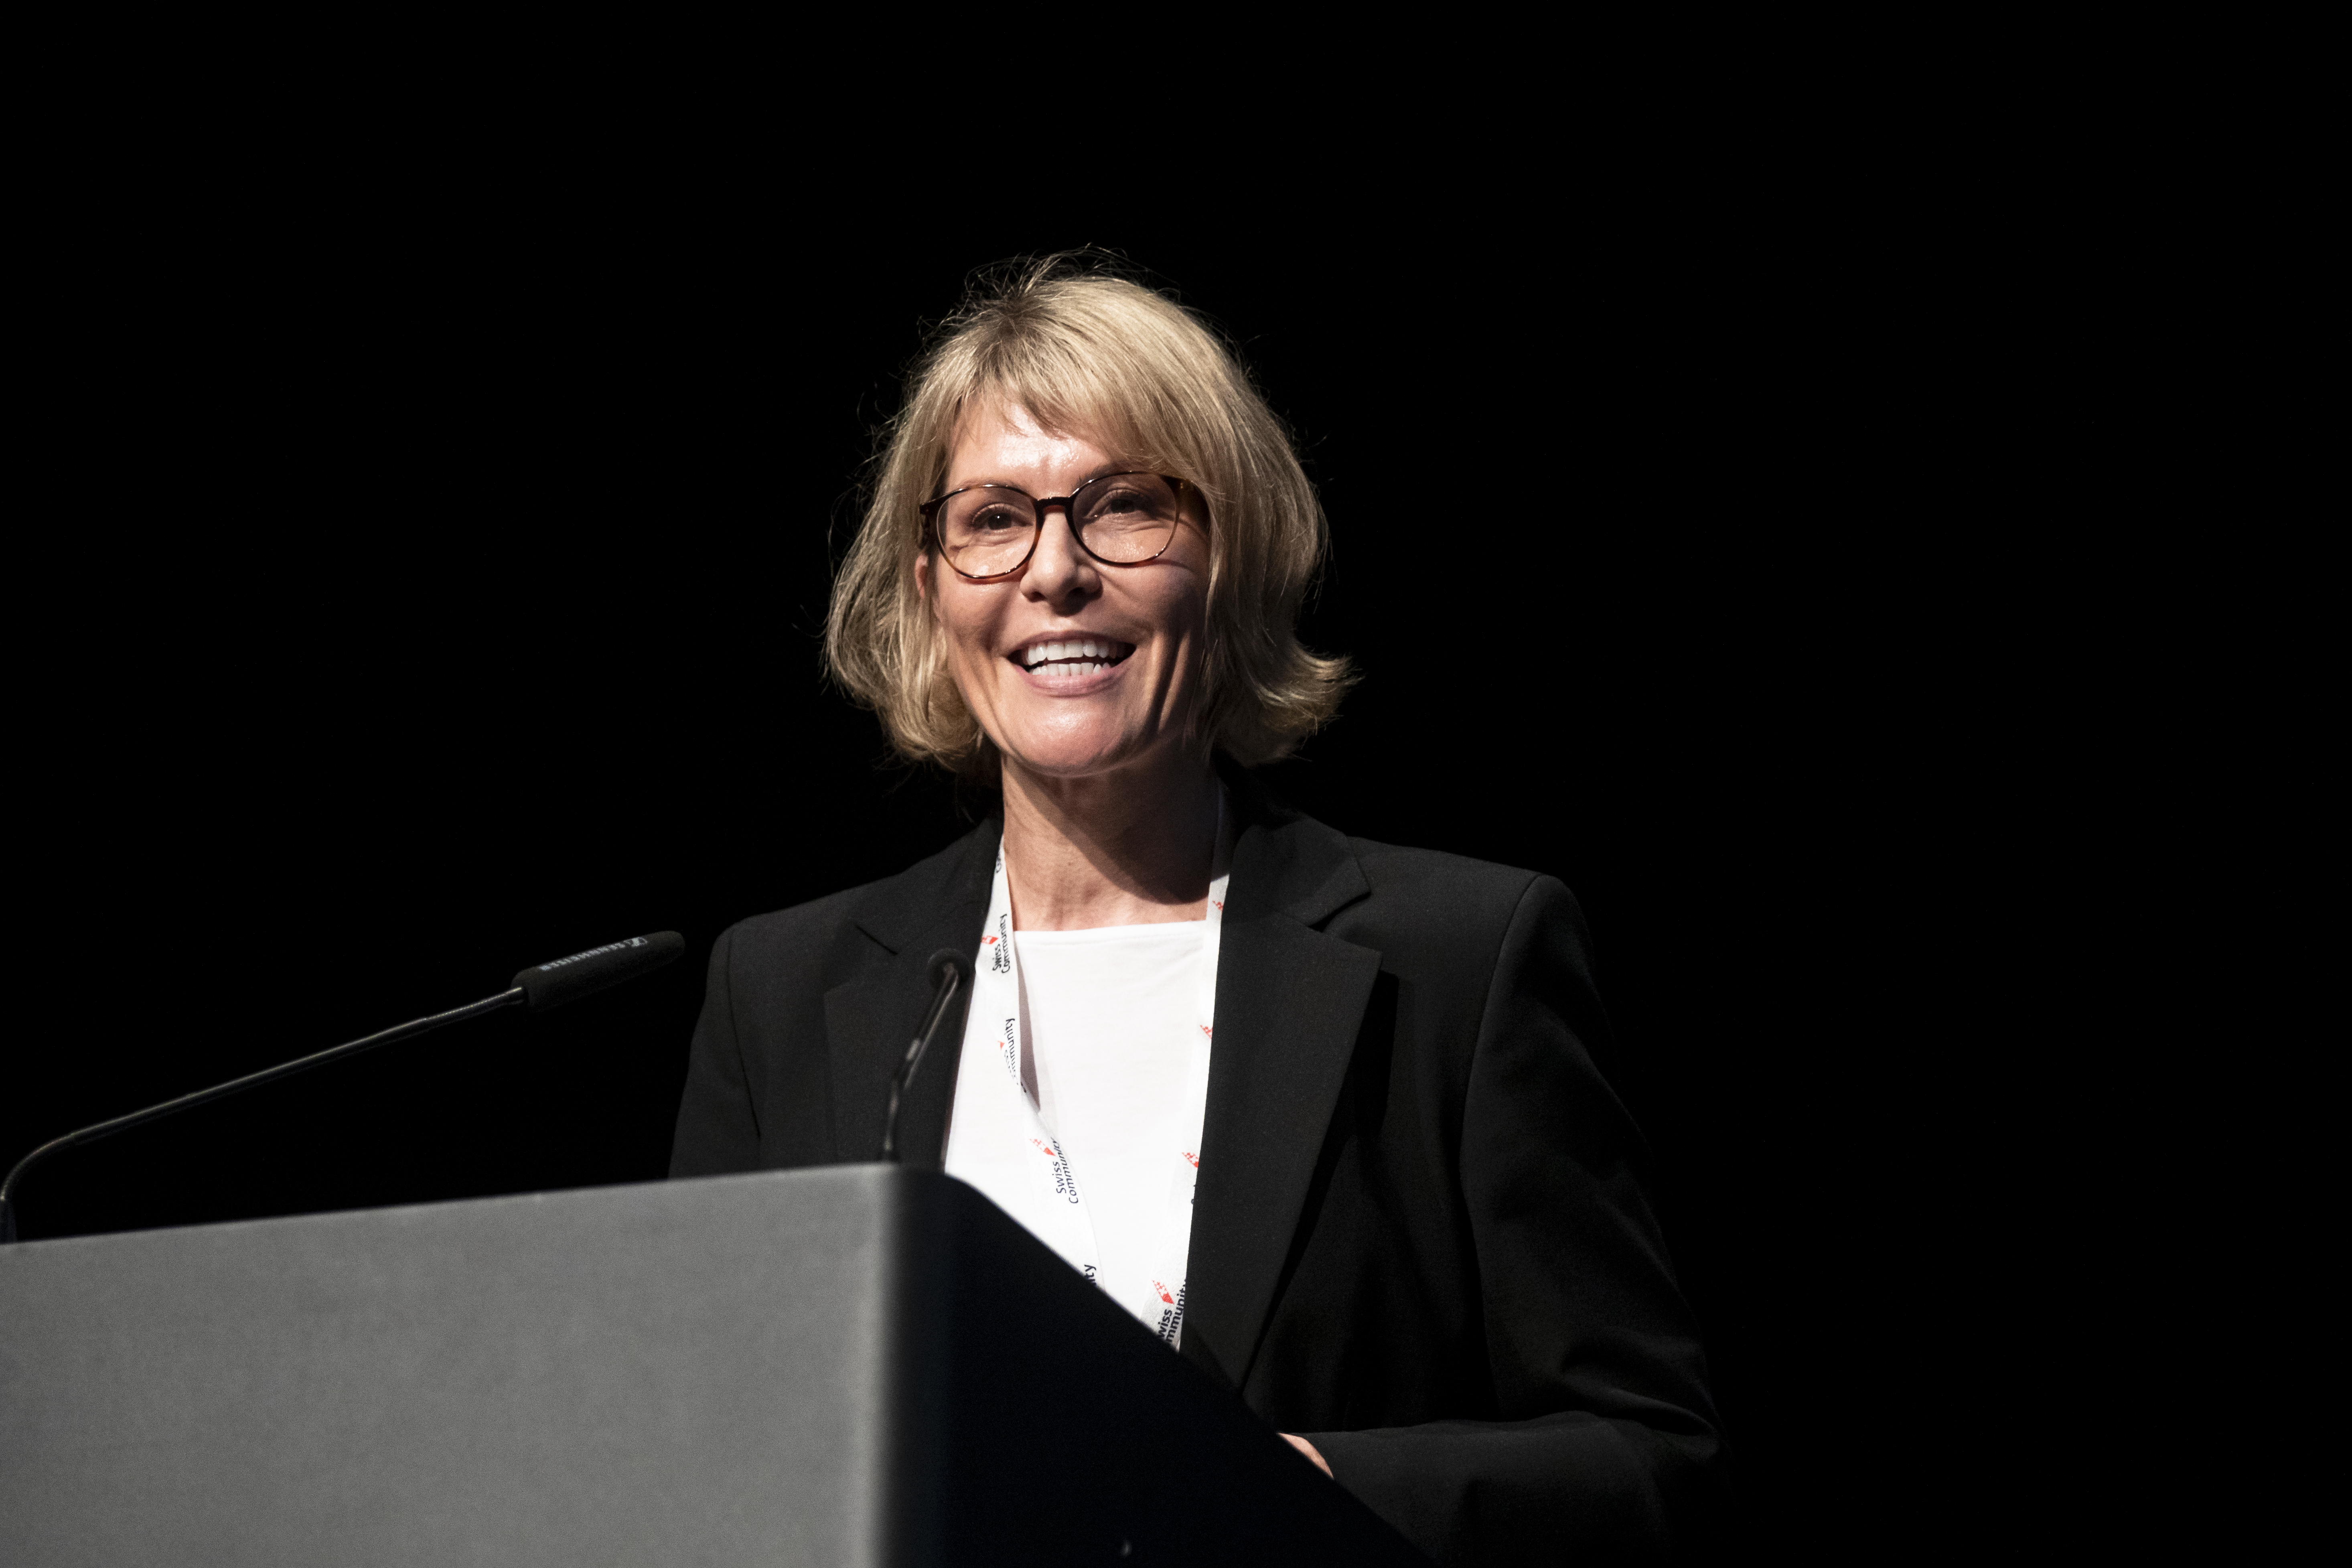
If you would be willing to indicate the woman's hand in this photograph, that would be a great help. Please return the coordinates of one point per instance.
(1307, 1448)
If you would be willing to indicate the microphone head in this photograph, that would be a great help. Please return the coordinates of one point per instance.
(947, 957)
(582, 974)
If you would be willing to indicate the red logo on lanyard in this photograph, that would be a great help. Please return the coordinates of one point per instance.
(1164, 1296)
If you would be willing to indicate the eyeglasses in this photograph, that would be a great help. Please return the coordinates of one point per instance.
(987, 533)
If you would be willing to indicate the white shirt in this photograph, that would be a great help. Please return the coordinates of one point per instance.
(1110, 1018)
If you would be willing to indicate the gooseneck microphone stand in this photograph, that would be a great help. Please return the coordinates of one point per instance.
(949, 973)
(409, 1030)
(544, 987)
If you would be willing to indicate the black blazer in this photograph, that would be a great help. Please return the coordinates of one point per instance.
(1419, 1236)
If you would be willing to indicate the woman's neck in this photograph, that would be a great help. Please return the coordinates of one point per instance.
(1135, 848)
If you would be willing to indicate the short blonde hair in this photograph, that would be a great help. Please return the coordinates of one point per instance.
(1089, 354)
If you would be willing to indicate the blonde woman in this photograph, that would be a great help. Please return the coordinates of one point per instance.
(1321, 1112)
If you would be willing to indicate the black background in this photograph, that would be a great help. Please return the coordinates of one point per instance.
(444, 591)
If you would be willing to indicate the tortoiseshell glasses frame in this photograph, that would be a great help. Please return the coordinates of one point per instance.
(1119, 539)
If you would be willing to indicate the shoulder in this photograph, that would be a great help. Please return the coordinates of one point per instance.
(1429, 913)
(1453, 880)
(1317, 873)
(1451, 909)
(817, 940)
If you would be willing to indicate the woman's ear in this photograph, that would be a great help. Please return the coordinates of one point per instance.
(922, 574)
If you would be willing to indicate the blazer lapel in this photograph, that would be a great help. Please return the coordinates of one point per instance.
(1289, 1002)
(869, 1020)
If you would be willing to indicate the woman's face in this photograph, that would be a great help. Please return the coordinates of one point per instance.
(1118, 688)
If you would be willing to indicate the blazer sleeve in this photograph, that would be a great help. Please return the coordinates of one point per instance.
(718, 1124)
(1606, 1448)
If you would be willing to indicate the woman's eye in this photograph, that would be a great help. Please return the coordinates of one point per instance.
(1120, 501)
(997, 519)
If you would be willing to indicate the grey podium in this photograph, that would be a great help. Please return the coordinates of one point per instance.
(854, 1366)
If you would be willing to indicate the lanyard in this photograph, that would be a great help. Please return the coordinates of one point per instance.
(1003, 1148)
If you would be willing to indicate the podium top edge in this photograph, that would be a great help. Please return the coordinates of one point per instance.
(876, 1174)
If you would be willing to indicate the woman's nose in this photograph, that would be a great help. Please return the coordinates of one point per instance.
(1060, 569)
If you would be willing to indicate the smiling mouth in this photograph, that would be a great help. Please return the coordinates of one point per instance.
(1070, 659)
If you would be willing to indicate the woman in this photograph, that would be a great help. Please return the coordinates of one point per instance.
(1339, 1138)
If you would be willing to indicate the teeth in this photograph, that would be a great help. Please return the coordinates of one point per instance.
(1097, 652)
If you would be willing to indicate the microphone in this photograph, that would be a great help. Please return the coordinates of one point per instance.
(586, 973)
(949, 971)
(544, 986)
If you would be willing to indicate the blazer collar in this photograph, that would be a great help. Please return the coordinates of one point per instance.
(900, 911)
(1290, 1000)
(1290, 862)
(870, 1018)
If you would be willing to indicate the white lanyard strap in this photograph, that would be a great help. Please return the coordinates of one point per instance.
(1034, 1177)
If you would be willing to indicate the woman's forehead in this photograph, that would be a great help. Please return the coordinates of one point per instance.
(1009, 415)
(1007, 434)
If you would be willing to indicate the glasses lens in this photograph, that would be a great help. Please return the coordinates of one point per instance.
(985, 532)
(1126, 517)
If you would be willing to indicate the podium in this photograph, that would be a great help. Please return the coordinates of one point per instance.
(852, 1365)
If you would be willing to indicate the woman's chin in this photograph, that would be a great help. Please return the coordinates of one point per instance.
(1063, 765)
(1073, 755)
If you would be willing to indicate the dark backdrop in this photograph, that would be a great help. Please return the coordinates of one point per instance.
(444, 591)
